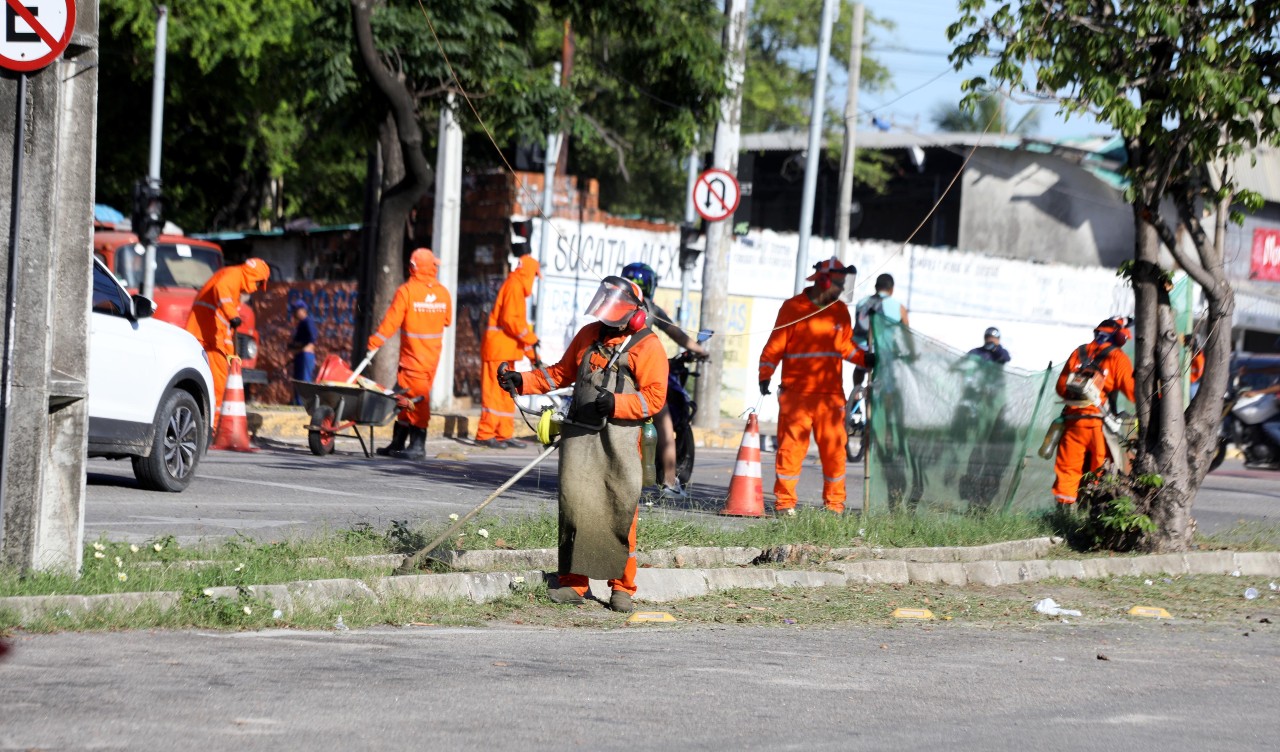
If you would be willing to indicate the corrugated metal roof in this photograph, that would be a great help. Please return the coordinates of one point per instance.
(875, 139)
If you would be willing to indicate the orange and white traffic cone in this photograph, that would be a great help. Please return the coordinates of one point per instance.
(746, 490)
(233, 421)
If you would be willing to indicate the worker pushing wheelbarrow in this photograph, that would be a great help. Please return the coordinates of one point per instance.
(341, 399)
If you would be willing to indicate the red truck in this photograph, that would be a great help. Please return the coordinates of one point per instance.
(183, 265)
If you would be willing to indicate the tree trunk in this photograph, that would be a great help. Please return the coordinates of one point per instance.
(390, 262)
(402, 191)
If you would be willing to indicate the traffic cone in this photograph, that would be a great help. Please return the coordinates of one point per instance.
(233, 422)
(746, 490)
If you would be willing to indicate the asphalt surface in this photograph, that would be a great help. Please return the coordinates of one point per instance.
(285, 491)
(915, 687)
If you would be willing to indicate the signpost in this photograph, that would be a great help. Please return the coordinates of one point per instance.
(716, 194)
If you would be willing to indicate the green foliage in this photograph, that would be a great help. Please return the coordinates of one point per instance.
(984, 114)
(1190, 83)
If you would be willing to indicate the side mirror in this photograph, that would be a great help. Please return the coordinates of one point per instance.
(143, 307)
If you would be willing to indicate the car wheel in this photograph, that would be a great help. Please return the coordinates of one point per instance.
(179, 442)
(321, 432)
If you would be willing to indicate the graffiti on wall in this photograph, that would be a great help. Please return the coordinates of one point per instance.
(331, 306)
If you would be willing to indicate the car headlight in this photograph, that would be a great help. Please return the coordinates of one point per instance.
(246, 347)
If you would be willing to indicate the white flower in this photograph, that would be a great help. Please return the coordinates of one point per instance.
(237, 569)
(119, 562)
(862, 531)
(99, 555)
(453, 517)
(482, 533)
(247, 611)
(157, 547)
(208, 591)
(518, 580)
(133, 547)
(122, 576)
(98, 547)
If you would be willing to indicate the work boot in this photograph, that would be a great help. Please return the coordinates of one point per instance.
(417, 448)
(620, 601)
(399, 432)
(514, 444)
(834, 509)
(491, 443)
(565, 595)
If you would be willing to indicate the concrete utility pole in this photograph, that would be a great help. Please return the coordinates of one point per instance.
(715, 266)
(549, 161)
(48, 123)
(157, 123)
(850, 134)
(444, 239)
(814, 158)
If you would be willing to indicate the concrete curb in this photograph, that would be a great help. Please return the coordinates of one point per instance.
(662, 585)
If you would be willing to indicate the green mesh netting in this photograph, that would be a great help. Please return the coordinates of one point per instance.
(951, 432)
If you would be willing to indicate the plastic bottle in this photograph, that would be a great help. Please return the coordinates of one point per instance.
(1250, 594)
(1049, 447)
(649, 452)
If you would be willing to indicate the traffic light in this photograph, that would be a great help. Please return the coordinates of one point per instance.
(521, 233)
(148, 210)
(692, 243)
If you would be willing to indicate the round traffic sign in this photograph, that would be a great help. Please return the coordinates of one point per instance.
(716, 194)
(35, 32)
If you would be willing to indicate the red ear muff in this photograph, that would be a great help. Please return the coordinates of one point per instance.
(637, 321)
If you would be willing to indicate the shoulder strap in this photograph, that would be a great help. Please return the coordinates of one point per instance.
(1095, 360)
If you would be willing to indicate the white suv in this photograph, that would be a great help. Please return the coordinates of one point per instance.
(149, 388)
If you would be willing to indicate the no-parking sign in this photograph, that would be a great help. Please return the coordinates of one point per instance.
(35, 32)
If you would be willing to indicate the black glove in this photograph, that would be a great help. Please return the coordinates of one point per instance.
(235, 323)
(869, 360)
(764, 387)
(598, 411)
(509, 380)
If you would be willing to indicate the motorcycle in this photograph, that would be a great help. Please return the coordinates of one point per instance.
(681, 405)
(1242, 419)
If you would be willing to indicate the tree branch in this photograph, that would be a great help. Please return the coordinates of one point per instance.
(615, 143)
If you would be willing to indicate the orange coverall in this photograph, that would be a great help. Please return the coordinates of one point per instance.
(507, 339)
(648, 362)
(1082, 447)
(216, 304)
(421, 309)
(810, 346)
(1197, 366)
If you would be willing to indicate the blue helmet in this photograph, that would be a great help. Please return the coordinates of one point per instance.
(644, 276)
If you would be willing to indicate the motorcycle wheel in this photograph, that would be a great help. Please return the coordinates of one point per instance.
(1218, 456)
(855, 441)
(684, 454)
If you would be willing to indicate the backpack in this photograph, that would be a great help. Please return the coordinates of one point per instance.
(1084, 384)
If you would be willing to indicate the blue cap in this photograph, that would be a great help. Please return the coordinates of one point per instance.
(296, 304)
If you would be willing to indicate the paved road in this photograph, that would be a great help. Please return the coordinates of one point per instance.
(285, 490)
(917, 687)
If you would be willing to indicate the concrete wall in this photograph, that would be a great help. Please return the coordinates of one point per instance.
(1037, 207)
(43, 512)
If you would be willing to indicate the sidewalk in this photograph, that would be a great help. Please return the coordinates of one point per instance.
(283, 422)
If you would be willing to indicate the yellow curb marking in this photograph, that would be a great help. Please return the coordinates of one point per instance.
(1150, 612)
(651, 617)
(912, 613)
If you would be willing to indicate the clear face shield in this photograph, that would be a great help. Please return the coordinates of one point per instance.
(846, 282)
(614, 302)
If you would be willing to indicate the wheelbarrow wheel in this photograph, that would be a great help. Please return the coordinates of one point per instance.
(320, 436)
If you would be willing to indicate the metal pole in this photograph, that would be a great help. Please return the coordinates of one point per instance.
(814, 159)
(157, 121)
(11, 283)
(690, 217)
(850, 134)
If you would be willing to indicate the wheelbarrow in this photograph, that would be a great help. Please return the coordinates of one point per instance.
(336, 406)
